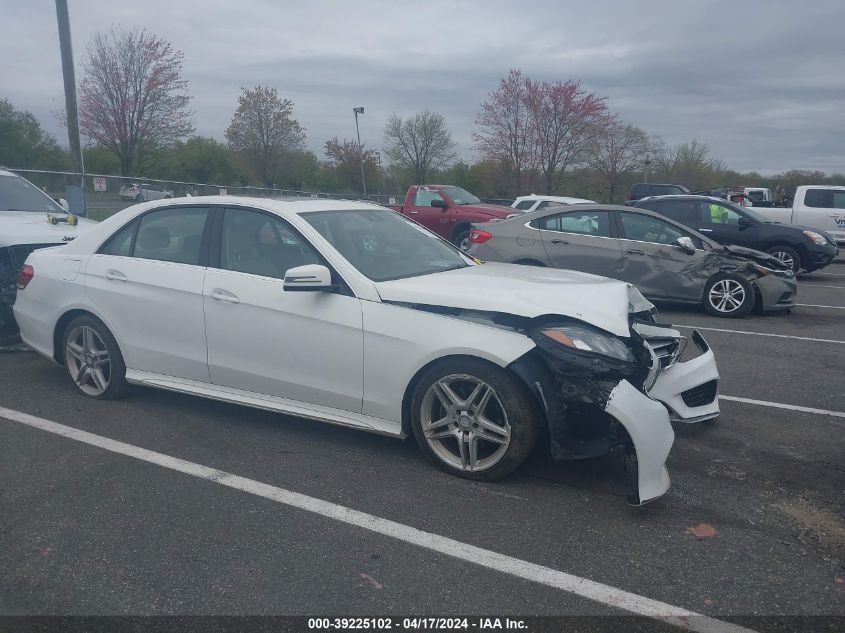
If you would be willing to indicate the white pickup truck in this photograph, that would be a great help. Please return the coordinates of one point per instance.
(817, 206)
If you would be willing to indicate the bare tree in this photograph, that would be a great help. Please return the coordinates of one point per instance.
(346, 157)
(615, 151)
(562, 118)
(420, 143)
(133, 99)
(263, 128)
(690, 164)
(504, 127)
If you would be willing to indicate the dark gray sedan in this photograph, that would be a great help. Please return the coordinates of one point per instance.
(664, 259)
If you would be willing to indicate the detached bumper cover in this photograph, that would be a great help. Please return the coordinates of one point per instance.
(647, 422)
(690, 389)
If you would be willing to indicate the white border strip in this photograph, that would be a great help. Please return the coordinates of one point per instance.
(605, 594)
(799, 338)
(812, 305)
(780, 405)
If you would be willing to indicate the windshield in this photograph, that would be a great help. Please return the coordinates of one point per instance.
(460, 196)
(17, 194)
(384, 245)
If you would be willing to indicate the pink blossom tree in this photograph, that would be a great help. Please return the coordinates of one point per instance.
(133, 99)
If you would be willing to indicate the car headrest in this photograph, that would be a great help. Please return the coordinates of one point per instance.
(154, 238)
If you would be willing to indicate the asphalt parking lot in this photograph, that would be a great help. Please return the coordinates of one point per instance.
(754, 524)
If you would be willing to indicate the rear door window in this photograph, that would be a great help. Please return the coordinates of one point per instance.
(684, 211)
(525, 205)
(595, 223)
(171, 235)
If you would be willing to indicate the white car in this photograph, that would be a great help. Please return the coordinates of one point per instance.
(143, 192)
(29, 219)
(350, 313)
(535, 202)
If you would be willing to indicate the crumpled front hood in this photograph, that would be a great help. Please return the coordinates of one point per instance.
(31, 227)
(526, 291)
(764, 259)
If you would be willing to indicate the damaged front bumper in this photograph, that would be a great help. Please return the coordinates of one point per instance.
(647, 423)
(689, 389)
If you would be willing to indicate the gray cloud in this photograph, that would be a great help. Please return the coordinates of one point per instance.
(759, 81)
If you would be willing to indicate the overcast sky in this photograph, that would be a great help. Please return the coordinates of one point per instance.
(761, 82)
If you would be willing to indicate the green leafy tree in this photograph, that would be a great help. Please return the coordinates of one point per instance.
(25, 144)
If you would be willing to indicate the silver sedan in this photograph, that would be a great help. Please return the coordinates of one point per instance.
(663, 259)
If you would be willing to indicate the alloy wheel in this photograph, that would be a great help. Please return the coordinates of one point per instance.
(465, 244)
(88, 361)
(464, 423)
(784, 258)
(727, 295)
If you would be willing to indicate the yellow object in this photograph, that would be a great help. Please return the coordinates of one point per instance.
(70, 219)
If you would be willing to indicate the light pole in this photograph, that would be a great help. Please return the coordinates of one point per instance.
(357, 111)
(647, 163)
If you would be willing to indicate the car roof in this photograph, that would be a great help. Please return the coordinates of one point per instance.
(280, 204)
(682, 196)
(566, 199)
(3, 172)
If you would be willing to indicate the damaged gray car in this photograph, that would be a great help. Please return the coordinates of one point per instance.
(665, 260)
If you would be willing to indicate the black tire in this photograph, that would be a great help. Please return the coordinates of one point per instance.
(786, 254)
(117, 385)
(511, 396)
(459, 236)
(731, 282)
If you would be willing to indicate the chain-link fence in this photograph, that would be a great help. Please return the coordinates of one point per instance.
(105, 194)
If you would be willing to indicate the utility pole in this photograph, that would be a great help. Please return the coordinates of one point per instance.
(70, 89)
(357, 111)
(647, 163)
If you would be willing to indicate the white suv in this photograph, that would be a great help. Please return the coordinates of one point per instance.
(534, 202)
(29, 219)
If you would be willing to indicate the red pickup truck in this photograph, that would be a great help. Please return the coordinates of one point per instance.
(449, 211)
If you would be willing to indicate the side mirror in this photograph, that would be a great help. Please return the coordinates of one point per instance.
(440, 204)
(313, 277)
(686, 244)
(64, 205)
(743, 223)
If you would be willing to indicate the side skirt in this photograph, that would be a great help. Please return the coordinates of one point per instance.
(266, 402)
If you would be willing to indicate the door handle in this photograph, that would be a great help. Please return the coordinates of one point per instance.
(558, 241)
(634, 251)
(218, 294)
(114, 275)
(706, 230)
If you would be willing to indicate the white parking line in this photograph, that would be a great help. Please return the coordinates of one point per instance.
(811, 285)
(800, 338)
(605, 594)
(780, 405)
(810, 305)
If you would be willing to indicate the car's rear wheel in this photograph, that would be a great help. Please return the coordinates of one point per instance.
(461, 239)
(728, 296)
(787, 256)
(473, 419)
(93, 359)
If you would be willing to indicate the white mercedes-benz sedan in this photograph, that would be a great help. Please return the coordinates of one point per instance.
(349, 313)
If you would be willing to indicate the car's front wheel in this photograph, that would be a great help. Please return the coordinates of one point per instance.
(473, 419)
(93, 359)
(787, 256)
(729, 296)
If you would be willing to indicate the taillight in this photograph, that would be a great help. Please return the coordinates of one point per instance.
(478, 236)
(24, 276)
